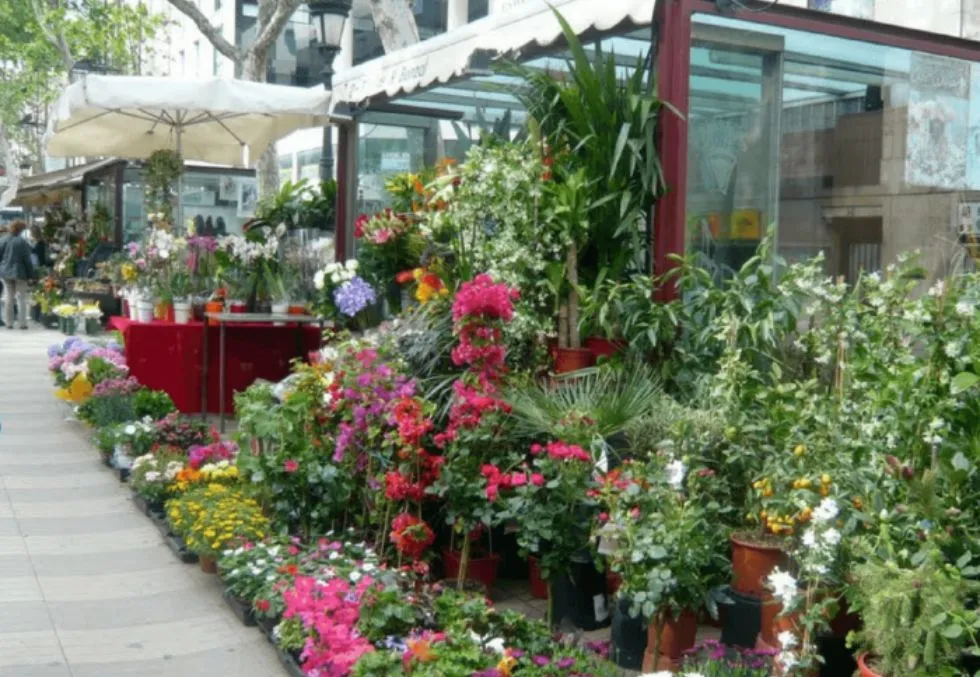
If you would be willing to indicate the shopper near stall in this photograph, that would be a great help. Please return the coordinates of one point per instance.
(16, 270)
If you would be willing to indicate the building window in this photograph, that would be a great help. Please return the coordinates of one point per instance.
(217, 5)
(858, 150)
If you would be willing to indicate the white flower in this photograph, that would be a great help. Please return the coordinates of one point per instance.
(953, 349)
(496, 645)
(355, 576)
(787, 640)
(130, 429)
(787, 661)
(826, 511)
(831, 536)
(964, 309)
(938, 288)
(351, 264)
(783, 586)
(675, 474)
(152, 476)
(318, 279)
(810, 538)
(280, 230)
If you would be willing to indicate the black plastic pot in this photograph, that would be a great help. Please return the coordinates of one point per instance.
(176, 544)
(241, 608)
(837, 658)
(290, 663)
(123, 475)
(743, 621)
(579, 594)
(266, 625)
(629, 636)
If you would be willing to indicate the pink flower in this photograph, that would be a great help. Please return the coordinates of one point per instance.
(518, 479)
(291, 465)
(537, 479)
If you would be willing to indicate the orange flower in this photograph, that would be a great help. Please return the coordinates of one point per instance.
(419, 650)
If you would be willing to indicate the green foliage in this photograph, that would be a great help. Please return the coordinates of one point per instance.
(154, 404)
(160, 174)
(583, 407)
(300, 205)
(917, 621)
(387, 612)
(607, 123)
(103, 412)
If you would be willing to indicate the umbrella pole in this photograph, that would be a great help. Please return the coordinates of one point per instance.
(179, 226)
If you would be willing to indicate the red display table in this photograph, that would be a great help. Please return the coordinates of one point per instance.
(167, 356)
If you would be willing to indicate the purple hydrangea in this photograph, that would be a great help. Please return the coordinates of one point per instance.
(353, 296)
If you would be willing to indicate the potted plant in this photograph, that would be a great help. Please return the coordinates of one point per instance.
(212, 517)
(548, 499)
(602, 310)
(917, 615)
(663, 535)
(568, 207)
(180, 289)
(476, 429)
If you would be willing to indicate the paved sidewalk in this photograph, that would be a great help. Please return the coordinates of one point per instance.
(87, 586)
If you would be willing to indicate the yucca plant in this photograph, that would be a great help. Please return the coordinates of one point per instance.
(599, 402)
(606, 120)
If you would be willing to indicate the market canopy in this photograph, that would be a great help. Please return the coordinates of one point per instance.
(207, 119)
(515, 28)
(52, 187)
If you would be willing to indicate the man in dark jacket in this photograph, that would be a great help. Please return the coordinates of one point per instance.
(16, 269)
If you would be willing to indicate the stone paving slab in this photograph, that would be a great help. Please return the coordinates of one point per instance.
(87, 586)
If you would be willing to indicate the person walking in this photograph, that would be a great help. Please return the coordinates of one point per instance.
(16, 269)
(39, 248)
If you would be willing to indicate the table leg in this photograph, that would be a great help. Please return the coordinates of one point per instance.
(221, 376)
(204, 372)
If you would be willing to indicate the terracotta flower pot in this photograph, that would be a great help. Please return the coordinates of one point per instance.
(482, 569)
(214, 307)
(603, 347)
(209, 565)
(297, 309)
(863, 667)
(613, 581)
(572, 359)
(539, 587)
(752, 563)
(678, 635)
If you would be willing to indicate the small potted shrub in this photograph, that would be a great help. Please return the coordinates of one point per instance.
(917, 622)
(152, 475)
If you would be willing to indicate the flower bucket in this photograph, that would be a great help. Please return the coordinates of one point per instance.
(628, 635)
(69, 326)
(214, 307)
(678, 635)
(603, 347)
(580, 594)
(863, 667)
(182, 312)
(132, 309)
(752, 563)
(280, 309)
(572, 359)
(144, 311)
(164, 312)
(297, 309)
(209, 565)
(482, 569)
(539, 587)
(237, 307)
(92, 326)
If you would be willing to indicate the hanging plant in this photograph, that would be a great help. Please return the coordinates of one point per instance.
(162, 170)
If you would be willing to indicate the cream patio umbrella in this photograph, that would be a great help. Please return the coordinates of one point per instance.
(217, 120)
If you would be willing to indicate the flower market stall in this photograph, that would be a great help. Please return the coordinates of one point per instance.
(779, 453)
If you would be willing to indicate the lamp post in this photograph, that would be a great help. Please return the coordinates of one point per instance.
(329, 17)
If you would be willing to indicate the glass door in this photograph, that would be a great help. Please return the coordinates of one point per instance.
(733, 169)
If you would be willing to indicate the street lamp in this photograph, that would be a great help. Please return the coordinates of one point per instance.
(329, 17)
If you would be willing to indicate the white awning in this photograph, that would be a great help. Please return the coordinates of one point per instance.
(527, 23)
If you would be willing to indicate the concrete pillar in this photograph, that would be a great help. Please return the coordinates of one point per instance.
(457, 13)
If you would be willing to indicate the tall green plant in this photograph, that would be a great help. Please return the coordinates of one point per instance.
(607, 121)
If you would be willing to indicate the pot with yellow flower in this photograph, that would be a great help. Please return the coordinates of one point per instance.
(213, 517)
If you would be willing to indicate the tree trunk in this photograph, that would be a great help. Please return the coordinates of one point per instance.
(571, 268)
(267, 168)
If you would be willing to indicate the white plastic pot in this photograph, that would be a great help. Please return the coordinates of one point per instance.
(182, 312)
(281, 308)
(144, 310)
(131, 304)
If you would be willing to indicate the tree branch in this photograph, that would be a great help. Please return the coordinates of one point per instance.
(208, 30)
(269, 33)
(56, 39)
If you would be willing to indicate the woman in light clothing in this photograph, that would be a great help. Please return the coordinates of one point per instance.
(16, 269)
